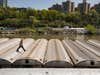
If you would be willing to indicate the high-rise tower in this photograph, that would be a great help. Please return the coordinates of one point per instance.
(57, 7)
(84, 1)
(3, 3)
(84, 7)
(68, 6)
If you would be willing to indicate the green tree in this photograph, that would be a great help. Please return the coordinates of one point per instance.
(91, 29)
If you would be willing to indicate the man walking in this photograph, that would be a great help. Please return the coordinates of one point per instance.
(21, 46)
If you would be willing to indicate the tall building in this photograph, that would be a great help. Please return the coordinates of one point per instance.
(84, 7)
(57, 7)
(84, 1)
(73, 7)
(96, 7)
(3, 3)
(68, 6)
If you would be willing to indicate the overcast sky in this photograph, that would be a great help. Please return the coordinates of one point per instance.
(43, 4)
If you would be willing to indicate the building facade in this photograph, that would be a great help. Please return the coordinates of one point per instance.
(57, 7)
(84, 7)
(3, 3)
(66, 6)
(96, 7)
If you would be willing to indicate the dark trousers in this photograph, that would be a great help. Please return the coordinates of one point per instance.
(20, 47)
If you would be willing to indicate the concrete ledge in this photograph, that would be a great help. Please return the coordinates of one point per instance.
(50, 71)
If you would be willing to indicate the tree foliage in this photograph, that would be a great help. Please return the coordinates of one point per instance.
(19, 18)
(91, 29)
